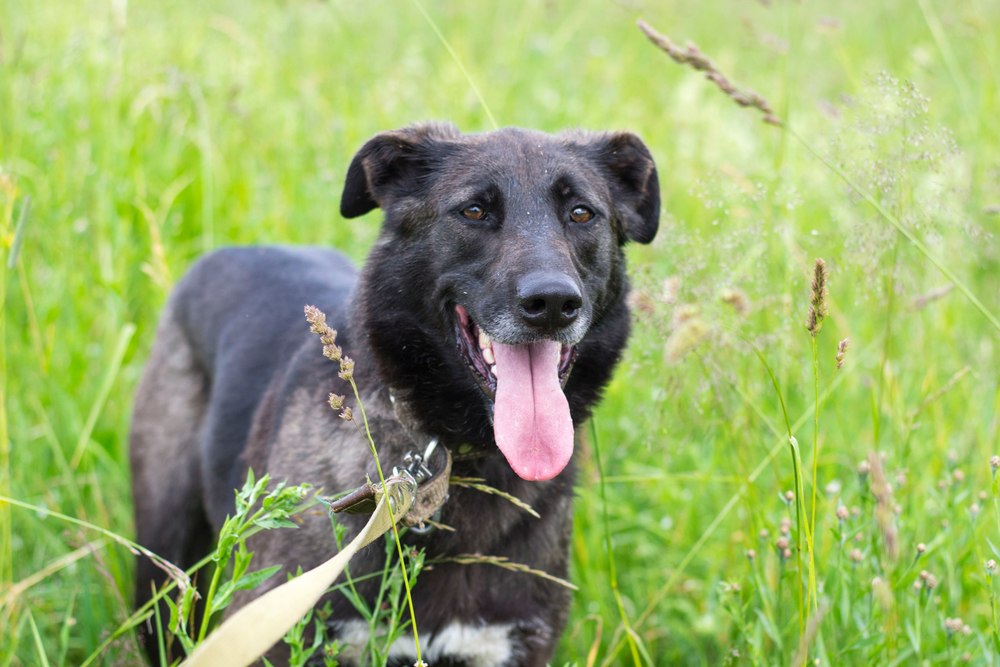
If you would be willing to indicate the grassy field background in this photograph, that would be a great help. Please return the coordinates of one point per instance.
(135, 136)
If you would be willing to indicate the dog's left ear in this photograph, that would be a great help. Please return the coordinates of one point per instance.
(390, 165)
(635, 187)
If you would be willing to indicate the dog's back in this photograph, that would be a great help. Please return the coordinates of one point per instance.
(225, 332)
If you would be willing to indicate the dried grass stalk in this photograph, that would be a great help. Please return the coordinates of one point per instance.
(478, 484)
(692, 57)
(884, 515)
(505, 563)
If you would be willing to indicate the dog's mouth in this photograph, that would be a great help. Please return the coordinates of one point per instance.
(477, 349)
(531, 420)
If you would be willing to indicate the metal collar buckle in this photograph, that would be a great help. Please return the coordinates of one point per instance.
(416, 464)
(418, 467)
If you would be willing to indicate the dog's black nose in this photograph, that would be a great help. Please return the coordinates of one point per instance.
(548, 299)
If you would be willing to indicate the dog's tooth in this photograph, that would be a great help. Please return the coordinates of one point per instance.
(493, 369)
(484, 340)
(488, 355)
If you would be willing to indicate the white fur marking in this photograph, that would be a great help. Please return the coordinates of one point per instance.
(353, 636)
(478, 645)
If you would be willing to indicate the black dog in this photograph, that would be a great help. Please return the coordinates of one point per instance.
(489, 315)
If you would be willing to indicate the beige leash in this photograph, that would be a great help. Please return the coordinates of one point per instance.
(251, 631)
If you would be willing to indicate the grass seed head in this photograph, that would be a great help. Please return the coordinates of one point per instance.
(953, 625)
(670, 290)
(641, 301)
(316, 320)
(317, 325)
(817, 299)
(994, 464)
(685, 312)
(346, 369)
(688, 335)
(842, 351)
(882, 593)
(736, 298)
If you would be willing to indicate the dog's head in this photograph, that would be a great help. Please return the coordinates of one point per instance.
(499, 271)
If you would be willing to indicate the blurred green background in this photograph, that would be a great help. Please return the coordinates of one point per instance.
(136, 135)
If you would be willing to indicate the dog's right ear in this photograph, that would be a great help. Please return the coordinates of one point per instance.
(390, 165)
(636, 185)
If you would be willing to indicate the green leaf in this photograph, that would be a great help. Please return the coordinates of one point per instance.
(270, 523)
(223, 596)
(768, 626)
(174, 622)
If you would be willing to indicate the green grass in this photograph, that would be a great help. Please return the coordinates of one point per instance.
(145, 133)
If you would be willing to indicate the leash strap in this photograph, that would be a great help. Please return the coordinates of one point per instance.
(251, 631)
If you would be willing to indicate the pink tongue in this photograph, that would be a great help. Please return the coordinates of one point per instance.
(531, 419)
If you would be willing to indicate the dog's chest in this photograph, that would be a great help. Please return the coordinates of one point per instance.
(474, 615)
(485, 645)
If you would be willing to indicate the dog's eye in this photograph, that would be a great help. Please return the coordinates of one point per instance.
(474, 212)
(581, 214)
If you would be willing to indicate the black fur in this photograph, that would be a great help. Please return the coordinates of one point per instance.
(235, 379)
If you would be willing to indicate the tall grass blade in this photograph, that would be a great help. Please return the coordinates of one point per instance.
(43, 660)
(114, 366)
(458, 62)
(11, 595)
(657, 597)
(630, 633)
(22, 222)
